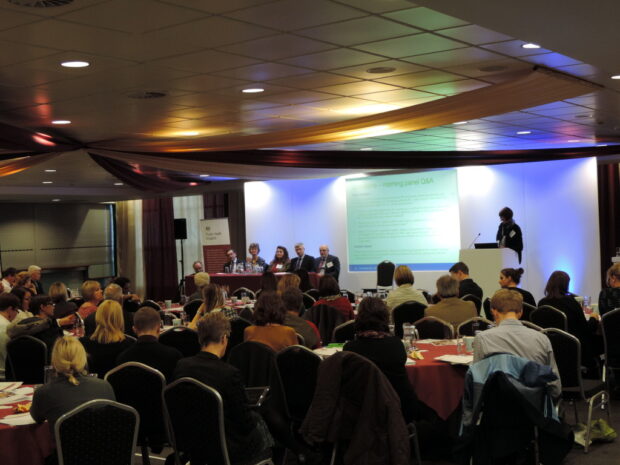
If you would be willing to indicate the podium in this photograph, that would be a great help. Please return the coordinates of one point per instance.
(485, 265)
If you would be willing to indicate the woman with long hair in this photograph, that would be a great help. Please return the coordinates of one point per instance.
(329, 291)
(269, 329)
(280, 262)
(609, 298)
(108, 340)
(24, 295)
(212, 301)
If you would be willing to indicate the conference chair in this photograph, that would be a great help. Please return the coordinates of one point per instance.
(152, 304)
(97, 432)
(385, 274)
(325, 318)
(431, 327)
(466, 328)
(547, 316)
(195, 416)
(344, 332)
(308, 300)
(348, 294)
(407, 312)
(486, 306)
(567, 353)
(238, 293)
(426, 295)
(190, 308)
(527, 311)
(610, 327)
(141, 387)
(246, 313)
(185, 340)
(26, 357)
(300, 339)
(314, 293)
(237, 328)
(531, 325)
(78, 301)
(299, 368)
(472, 298)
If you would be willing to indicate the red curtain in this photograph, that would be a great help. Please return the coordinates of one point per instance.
(608, 207)
(160, 255)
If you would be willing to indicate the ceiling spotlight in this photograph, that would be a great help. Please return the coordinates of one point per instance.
(47, 182)
(523, 133)
(366, 149)
(61, 121)
(118, 184)
(460, 122)
(55, 200)
(75, 64)
(530, 45)
(50, 171)
(205, 175)
(253, 90)
(189, 133)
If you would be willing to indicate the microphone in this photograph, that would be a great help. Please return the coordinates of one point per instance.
(472, 242)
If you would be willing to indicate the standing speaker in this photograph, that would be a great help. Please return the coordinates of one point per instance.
(180, 228)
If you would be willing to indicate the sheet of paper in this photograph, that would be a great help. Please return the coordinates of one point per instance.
(24, 391)
(456, 359)
(14, 399)
(19, 419)
(327, 351)
(9, 385)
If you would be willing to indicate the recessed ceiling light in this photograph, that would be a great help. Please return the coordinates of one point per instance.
(118, 184)
(522, 133)
(461, 122)
(366, 149)
(205, 175)
(530, 45)
(189, 133)
(616, 76)
(75, 64)
(253, 90)
(47, 182)
(55, 200)
(50, 171)
(61, 121)
(193, 183)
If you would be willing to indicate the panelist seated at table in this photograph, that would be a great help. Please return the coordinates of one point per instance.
(253, 259)
(302, 261)
(197, 266)
(329, 293)
(450, 308)
(70, 387)
(511, 336)
(233, 264)
(269, 328)
(326, 264)
(373, 341)
(280, 262)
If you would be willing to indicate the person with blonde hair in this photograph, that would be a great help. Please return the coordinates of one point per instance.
(288, 280)
(24, 280)
(404, 292)
(212, 301)
(108, 340)
(92, 294)
(59, 295)
(609, 298)
(201, 280)
(70, 387)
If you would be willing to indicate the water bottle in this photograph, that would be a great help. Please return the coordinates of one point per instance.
(475, 327)
(78, 326)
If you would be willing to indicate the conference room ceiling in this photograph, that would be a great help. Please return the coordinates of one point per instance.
(177, 68)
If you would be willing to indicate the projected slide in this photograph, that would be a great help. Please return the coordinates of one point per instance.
(410, 219)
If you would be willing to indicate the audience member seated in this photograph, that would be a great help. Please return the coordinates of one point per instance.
(212, 302)
(329, 291)
(9, 304)
(373, 341)
(280, 262)
(405, 292)
(24, 295)
(286, 281)
(510, 336)
(304, 277)
(253, 259)
(247, 435)
(92, 295)
(71, 387)
(147, 349)
(9, 275)
(460, 272)
(268, 282)
(609, 298)
(24, 280)
(35, 275)
(112, 292)
(42, 325)
(509, 278)
(108, 340)
(201, 280)
(450, 308)
(269, 329)
(557, 295)
(58, 294)
(131, 301)
(293, 301)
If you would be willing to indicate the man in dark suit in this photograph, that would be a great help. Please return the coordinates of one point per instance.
(327, 264)
(244, 437)
(233, 262)
(302, 261)
(35, 277)
(460, 272)
(148, 349)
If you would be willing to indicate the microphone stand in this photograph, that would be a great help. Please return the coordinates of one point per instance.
(472, 242)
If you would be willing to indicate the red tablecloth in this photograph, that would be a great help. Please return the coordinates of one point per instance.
(438, 384)
(24, 445)
(235, 281)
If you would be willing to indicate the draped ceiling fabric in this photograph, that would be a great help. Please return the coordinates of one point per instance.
(245, 157)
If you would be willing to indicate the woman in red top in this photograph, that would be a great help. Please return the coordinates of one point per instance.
(280, 262)
(330, 295)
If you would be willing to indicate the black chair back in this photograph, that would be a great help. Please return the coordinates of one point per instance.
(26, 357)
(152, 304)
(407, 312)
(238, 293)
(299, 368)
(348, 294)
(185, 340)
(567, 352)
(531, 325)
(237, 328)
(195, 415)
(547, 316)
(308, 300)
(344, 332)
(314, 293)
(610, 327)
(246, 313)
(191, 308)
(486, 305)
(431, 327)
(97, 432)
(527, 311)
(467, 327)
(78, 301)
(475, 299)
(385, 273)
(325, 318)
(141, 386)
(426, 295)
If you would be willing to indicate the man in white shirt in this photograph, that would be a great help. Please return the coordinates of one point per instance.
(8, 279)
(9, 304)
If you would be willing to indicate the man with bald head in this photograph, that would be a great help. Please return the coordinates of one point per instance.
(327, 264)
